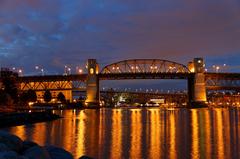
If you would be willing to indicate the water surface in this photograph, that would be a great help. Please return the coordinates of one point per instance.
(141, 133)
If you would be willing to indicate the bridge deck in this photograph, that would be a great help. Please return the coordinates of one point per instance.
(50, 78)
(122, 76)
(158, 75)
(223, 76)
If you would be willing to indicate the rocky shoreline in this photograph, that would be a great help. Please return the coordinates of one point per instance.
(21, 118)
(12, 147)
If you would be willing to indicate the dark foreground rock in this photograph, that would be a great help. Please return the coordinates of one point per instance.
(12, 147)
(14, 119)
(85, 157)
(12, 142)
(36, 152)
(58, 153)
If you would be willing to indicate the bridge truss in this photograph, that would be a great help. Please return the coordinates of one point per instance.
(144, 66)
(56, 85)
(131, 69)
(58, 82)
(223, 81)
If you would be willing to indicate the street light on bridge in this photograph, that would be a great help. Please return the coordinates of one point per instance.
(217, 68)
(67, 70)
(20, 72)
(40, 69)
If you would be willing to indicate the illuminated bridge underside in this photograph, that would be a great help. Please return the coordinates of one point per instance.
(54, 82)
(223, 81)
(144, 66)
(56, 85)
(214, 81)
(216, 84)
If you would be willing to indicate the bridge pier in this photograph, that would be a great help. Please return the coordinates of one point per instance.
(190, 89)
(196, 84)
(92, 96)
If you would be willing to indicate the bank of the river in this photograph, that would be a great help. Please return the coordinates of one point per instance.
(12, 147)
(8, 119)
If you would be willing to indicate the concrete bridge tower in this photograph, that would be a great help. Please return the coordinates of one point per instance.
(197, 85)
(92, 96)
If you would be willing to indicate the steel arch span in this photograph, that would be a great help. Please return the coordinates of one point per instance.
(145, 66)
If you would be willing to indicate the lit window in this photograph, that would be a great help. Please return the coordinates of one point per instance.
(91, 71)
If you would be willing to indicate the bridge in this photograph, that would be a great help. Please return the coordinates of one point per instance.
(199, 81)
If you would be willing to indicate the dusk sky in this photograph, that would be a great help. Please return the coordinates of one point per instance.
(53, 33)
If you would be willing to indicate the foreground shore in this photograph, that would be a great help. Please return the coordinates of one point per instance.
(12, 147)
(21, 118)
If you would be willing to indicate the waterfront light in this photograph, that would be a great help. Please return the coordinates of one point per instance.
(80, 71)
(217, 68)
(36, 67)
(42, 71)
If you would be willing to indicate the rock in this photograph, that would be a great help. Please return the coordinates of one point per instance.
(28, 144)
(8, 155)
(3, 147)
(36, 152)
(85, 157)
(11, 141)
(58, 153)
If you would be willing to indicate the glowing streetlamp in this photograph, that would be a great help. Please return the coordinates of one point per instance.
(36, 67)
(20, 72)
(69, 70)
(217, 68)
(42, 71)
(80, 71)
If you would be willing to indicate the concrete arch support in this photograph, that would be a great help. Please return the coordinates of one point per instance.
(92, 96)
(199, 88)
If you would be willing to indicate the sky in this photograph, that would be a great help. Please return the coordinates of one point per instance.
(54, 33)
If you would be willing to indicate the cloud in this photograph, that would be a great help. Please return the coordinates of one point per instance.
(58, 32)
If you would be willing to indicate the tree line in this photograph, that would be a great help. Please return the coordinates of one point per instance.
(10, 95)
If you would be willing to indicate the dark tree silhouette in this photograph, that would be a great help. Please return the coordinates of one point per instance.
(10, 88)
(3, 97)
(28, 96)
(61, 97)
(47, 96)
(32, 96)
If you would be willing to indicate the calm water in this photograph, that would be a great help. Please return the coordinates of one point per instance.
(141, 133)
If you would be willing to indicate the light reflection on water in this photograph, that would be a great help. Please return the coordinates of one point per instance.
(141, 133)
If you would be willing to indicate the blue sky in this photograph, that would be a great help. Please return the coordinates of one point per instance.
(59, 32)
